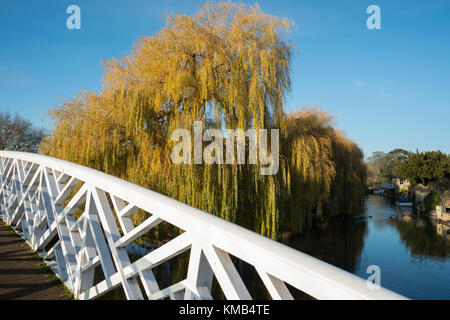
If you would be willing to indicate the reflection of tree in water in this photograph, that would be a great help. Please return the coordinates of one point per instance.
(421, 238)
(340, 243)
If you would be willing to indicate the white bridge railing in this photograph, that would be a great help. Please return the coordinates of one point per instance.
(34, 189)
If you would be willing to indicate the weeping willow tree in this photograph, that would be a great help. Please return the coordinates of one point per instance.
(325, 172)
(229, 67)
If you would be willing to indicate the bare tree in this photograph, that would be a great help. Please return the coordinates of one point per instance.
(19, 134)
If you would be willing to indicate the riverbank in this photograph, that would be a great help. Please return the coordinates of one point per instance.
(413, 256)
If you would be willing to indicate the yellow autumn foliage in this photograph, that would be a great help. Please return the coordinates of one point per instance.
(228, 66)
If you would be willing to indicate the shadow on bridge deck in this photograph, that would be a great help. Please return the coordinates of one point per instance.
(23, 275)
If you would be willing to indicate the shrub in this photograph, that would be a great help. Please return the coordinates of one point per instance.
(432, 200)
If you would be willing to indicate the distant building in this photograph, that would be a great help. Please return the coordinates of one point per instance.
(419, 192)
(400, 184)
(441, 214)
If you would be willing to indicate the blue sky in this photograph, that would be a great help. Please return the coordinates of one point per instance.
(388, 88)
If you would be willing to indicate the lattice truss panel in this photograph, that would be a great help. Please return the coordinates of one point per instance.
(32, 198)
(79, 220)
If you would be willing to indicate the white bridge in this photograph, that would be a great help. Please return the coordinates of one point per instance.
(39, 196)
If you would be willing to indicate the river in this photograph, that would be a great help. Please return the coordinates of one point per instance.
(413, 253)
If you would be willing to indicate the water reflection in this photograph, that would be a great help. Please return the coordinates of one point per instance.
(340, 243)
(423, 236)
(443, 230)
(412, 250)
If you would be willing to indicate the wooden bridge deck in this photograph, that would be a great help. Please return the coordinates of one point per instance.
(23, 275)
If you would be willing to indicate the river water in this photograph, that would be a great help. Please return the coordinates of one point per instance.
(413, 253)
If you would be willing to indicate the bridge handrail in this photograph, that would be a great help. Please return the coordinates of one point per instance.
(32, 194)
